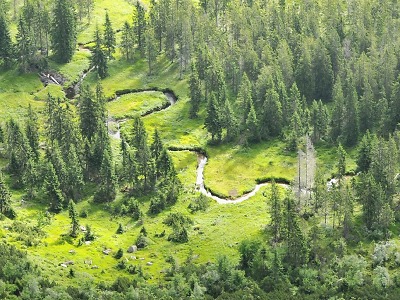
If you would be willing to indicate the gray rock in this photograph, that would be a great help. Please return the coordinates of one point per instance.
(132, 249)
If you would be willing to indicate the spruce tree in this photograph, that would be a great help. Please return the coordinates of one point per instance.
(5, 196)
(5, 41)
(127, 41)
(151, 48)
(274, 204)
(139, 21)
(63, 34)
(106, 190)
(73, 215)
(99, 59)
(24, 47)
(195, 92)
(32, 132)
(52, 189)
(157, 146)
(213, 121)
(272, 116)
(109, 37)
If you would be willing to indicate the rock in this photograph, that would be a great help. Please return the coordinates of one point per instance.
(88, 242)
(141, 258)
(72, 251)
(64, 265)
(133, 257)
(82, 228)
(149, 263)
(132, 249)
(95, 267)
(88, 262)
(69, 262)
(107, 251)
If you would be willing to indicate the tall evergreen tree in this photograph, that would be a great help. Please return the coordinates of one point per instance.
(109, 37)
(99, 58)
(139, 24)
(32, 132)
(63, 34)
(127, 41)
(106, 191)
(274, 203)
(5, 196)
(213, 121)
(73, 215)
(5, 40)
(195, 91)
(52, 189)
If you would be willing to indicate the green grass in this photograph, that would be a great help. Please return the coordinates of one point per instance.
(135, 104)
(218, 231)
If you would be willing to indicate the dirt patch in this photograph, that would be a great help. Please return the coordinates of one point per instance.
(51, 77)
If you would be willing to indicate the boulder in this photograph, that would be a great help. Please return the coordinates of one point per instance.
(107, 251)
(149, 263)
(132, 249)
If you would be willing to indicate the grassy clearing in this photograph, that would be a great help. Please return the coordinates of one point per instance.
(233, 170)
(218, 231)
(131, 105)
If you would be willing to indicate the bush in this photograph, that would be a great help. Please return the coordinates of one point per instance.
(119, 254)
(84, 213)
(201, 203)
(120, 229)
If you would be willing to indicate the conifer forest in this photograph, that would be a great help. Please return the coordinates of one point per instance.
(199, 149)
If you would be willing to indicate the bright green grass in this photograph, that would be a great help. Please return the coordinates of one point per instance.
(14, 105)
(233, 170)
(219, 230)
(118, 13)
(13, 81)
(72, 70)
(130, 105)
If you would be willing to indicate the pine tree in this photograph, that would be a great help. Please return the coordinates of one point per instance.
(63, 34)
(338, 111)
(213, 121)
(157, 146)
(106, 191)
(32, 132)
(341, 164)
(143, 155)
(109, 37)
(272, 117)
(74, 174)
(151, 48)
(30, 177)
(365, 150)
(274, 204)
(195, 92)
(24, 46)
(5, 41)
(252, 126)
(99, 59)
(127, 41)
(5, 196)
(139, 21)
(89, 113)
(73, 215)
(52, 188)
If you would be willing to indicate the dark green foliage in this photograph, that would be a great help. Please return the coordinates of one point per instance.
(63, 34)
(127, 41)
(99, 58)
(32, 132)
(200, 203)
(120, 229)
(274, 204)
(139, 25)
(5, 197)
(119, 254)
(53, 190)
(195, 92)
(106, 190)
(364, 158)
(73, 215)
(89, 235)
(109, 37)
(213, 121)
(5, 41)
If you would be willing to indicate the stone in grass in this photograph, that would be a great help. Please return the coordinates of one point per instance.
(132, 249)
(69, 262)
(72, 251)
(107, 251)
(149, 263)
(83, 228)
(64, 265)
(95, 267)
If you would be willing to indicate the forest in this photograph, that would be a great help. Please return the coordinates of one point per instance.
(211, 149)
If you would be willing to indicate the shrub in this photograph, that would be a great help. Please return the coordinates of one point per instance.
(201, 203)
(119, 254)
